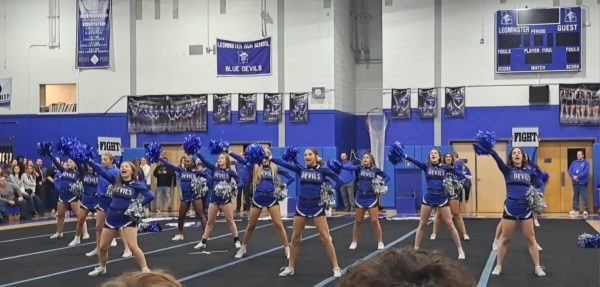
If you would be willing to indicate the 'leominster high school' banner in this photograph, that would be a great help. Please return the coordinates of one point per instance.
(243, 58)
(93, 34)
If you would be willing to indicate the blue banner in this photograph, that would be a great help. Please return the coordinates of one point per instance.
(93, 33)
(243, 58)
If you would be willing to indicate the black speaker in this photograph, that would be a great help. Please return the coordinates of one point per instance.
(539, 95)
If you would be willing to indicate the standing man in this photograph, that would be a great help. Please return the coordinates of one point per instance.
(578, 172)
(347, 190)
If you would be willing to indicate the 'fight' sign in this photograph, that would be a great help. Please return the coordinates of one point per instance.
(525, 137)
(109, 145)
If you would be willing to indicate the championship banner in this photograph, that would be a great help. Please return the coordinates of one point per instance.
(299, 107)
(272, 108)
(167, 114)
(222, 108)
(579, 104)
(5, 92)
(525, 137)
(455, 102)
(246, 108)
(110, 145)
(93, 33)
(428, 100)
(400, 103)
(243, 58)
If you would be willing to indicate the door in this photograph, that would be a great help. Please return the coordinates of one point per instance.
(555, 157)
(467, 155)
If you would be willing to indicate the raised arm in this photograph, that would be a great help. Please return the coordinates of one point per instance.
(206, 163)
(102, 172)
(167, 164)
(288, 177)
(239, 158)
(148, 196)
(57, 164)
(417, 163)
(285, 164)
(501, 165)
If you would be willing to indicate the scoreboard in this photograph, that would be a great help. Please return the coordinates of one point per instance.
(538, 40)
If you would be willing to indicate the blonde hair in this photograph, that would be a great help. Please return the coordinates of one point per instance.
(257, 174)
(156, 278)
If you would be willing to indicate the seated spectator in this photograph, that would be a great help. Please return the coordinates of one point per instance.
(408, 267)
(154, 278)
(11, 201)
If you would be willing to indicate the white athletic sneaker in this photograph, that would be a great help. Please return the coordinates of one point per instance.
(380, 246)
(497, 270)
(461, 254)
(495, 245)
(287, 271)
(113, 242)
(536, 223)
(200, 245)
(539, 247)
(92, 253)
(432, 237)
(126, 254)
(466, 237)
(241, 252)
(145, 270)
(75, 241)
(177, 237)
(287, 252)
(86, 236)
(56, 235)
(337, 272)
(585, 213)
(97, 271)
(353, 245)
(573, 213)
(539, 271)
(238, 244)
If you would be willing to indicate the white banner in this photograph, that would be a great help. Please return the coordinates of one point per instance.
(110, 145)
(525, 137)
(5, 92)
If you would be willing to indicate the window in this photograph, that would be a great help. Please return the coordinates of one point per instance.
(58, 98)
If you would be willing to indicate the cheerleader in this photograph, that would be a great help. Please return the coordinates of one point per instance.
(223, 177)
(518, 180)
(436, 197)
(89, 202)
(189, 195)
(265, 182)
(67, 186)
(454, 197)
(107, 165)
(366, 198)
(126, 190)
(312, 177)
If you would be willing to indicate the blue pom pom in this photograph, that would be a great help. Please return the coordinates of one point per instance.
(218, 146)
(45, 148)
(254, 153)
(153, 152)
(486, 139)
(480, 150)
(397, 153)
(151, 226)
(66, 144)
(80, 152)
(335, 165)
(191, 144)
(290, 153)
(588, 240)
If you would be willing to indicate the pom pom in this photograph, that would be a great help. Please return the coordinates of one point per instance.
(379, 186)
(66, 144)
(191, 144)
(397, 153)
(81, 152)
(218, 146)
(535, 200)
(135, 210)
(290, 153)
(151, 226)
(110, 190)
(254, 153)
(327, 199)
(335, 165)
(486, 139)
(153, 152)
(281, 191)
(45, 148)
(76, 188)
(480, 150)
(225, 190)
(199, 187)
(588, 240)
